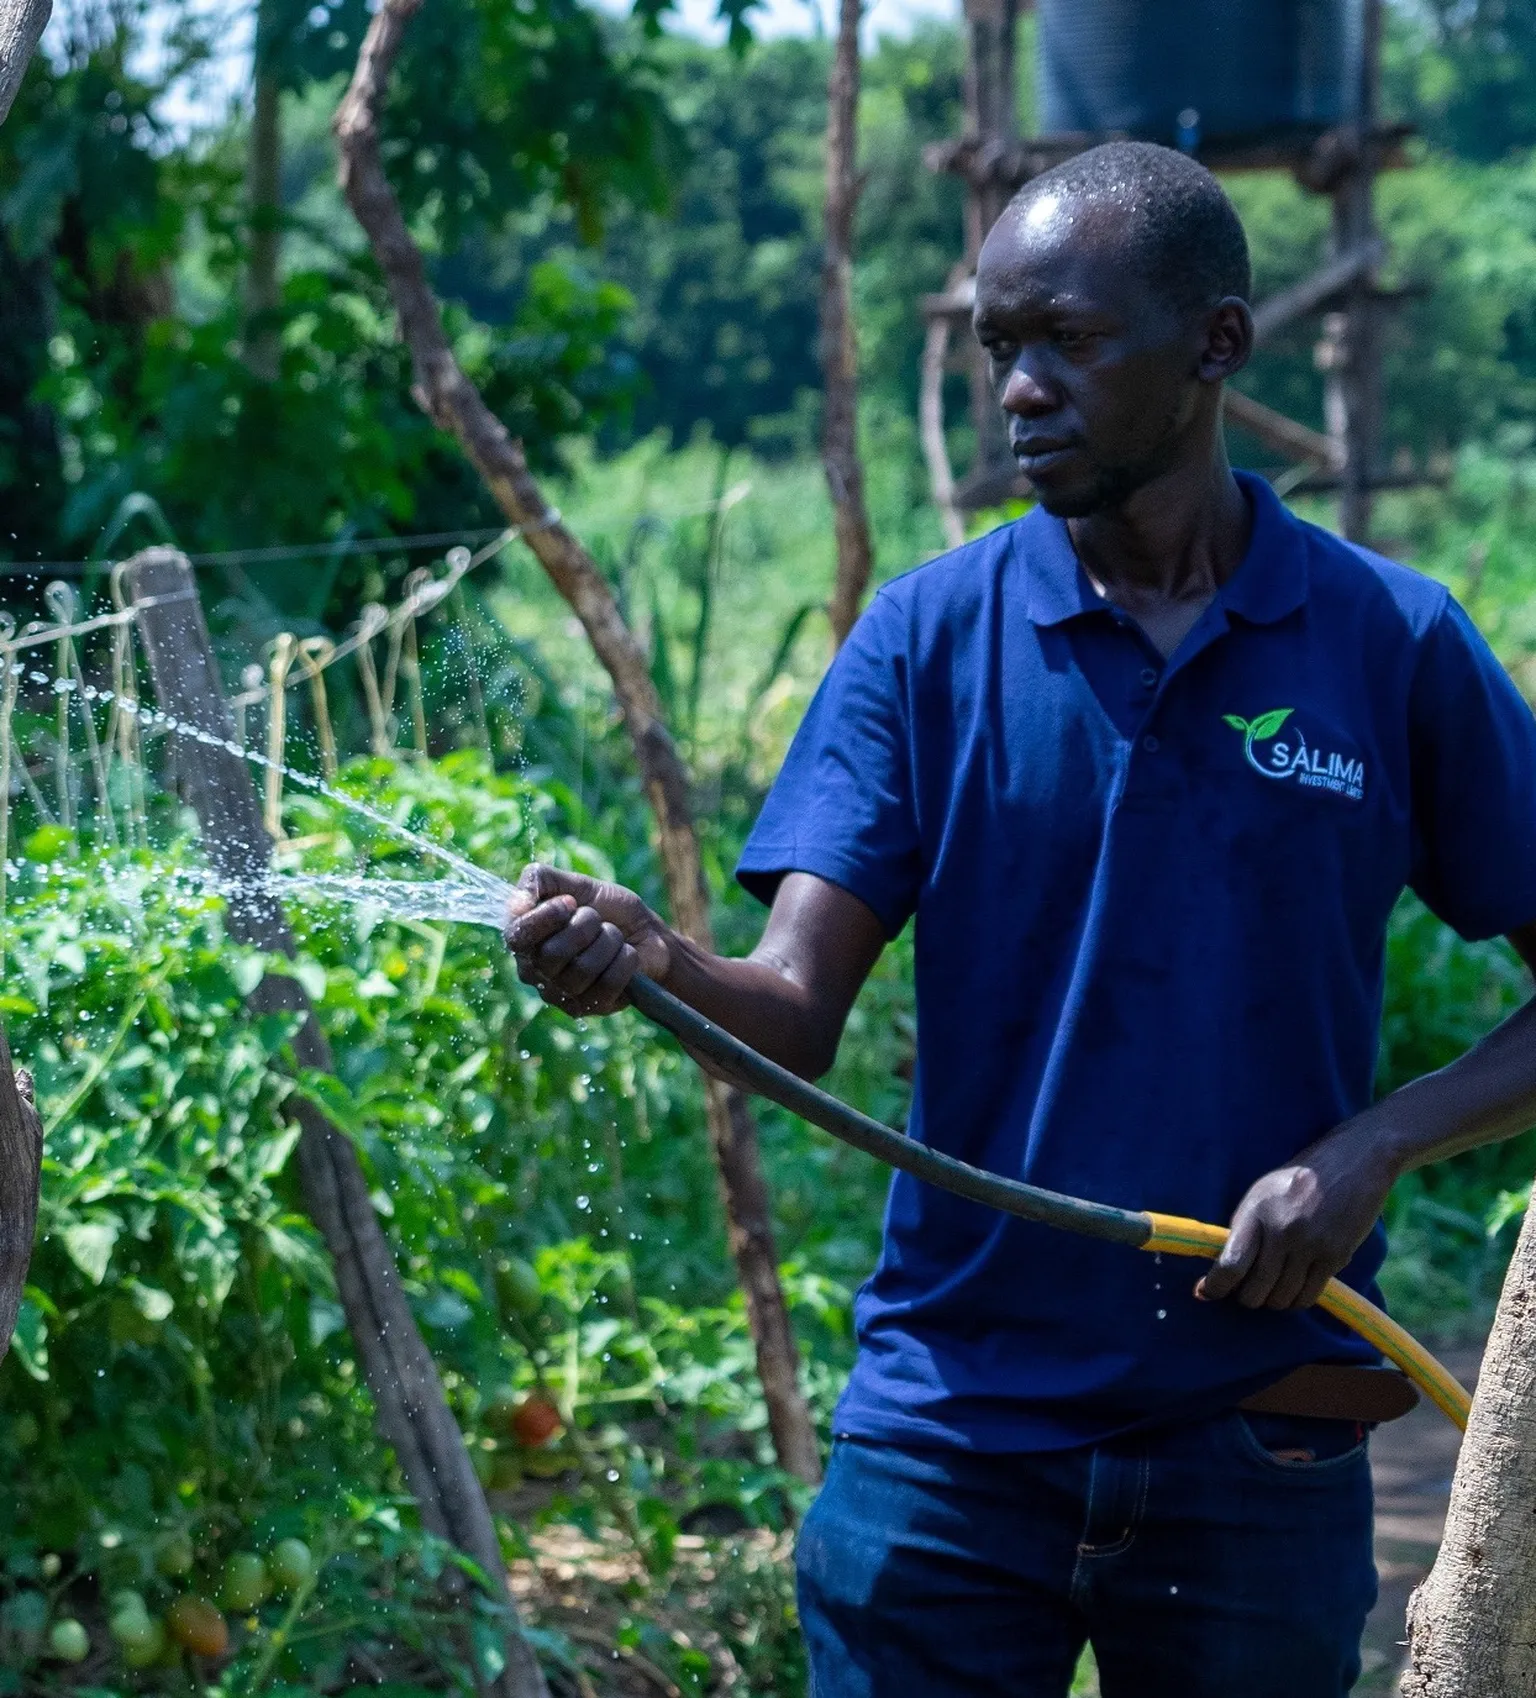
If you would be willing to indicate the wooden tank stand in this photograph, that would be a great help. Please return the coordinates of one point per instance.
(1342, 163)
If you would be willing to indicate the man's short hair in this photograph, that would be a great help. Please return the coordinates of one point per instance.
(1175, 219)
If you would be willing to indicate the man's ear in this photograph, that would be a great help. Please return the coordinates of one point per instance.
(1228, 340)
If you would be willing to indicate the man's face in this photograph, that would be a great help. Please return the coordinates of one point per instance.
(1096, 372)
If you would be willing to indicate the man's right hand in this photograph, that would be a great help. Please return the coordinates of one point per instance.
(579, 941)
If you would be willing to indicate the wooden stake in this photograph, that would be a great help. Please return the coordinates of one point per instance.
(839, 355)
(21, 1161)
(456, 405)
(412, 1411)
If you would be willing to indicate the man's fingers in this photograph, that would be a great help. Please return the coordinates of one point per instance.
(1238, 1255)
(1288, 1285)
(1313, 1286)
(1254, 1287)
(527, 931)
(585, 968)
(609, 990)
(558, 951)
(539, 883)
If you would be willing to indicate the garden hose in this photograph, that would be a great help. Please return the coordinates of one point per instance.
(1165, 1234)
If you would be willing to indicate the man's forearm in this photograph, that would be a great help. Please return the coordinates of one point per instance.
(581, 941)
(759, 1002)
(1483, 1096)
(1303, 1222)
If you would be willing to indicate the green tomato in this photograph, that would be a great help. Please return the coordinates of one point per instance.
(68, 1640)
(176, 1554)
(147, 1648)
(129, 1628)
(292, 1565)
(483, 1463)
(25, 1431)
(517, 1287)
(126, 1601)
(545, 1464)
(132, 1627)
(246, 1583)
(500, 1407)
(506, 1474)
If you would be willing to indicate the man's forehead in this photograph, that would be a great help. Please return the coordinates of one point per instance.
(1058, 249)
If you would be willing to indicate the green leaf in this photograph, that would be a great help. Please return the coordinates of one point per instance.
(247, 970)
(152, 1303)
(1268, 724)
(1236, 721)
(88, 1244)
(29, 1342)
(332, 1098)
(272, 1153)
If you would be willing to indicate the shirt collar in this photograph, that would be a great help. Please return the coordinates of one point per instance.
(1270, 581)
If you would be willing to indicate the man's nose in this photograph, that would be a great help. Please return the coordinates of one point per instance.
(1027, 394)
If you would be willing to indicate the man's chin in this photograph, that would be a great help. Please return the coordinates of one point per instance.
(1082, 497)
(1069, 500)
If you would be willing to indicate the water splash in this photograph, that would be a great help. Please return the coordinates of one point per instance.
(157, 718)
(481, 901)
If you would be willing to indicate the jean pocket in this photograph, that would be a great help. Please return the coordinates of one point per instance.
(1302, 1444)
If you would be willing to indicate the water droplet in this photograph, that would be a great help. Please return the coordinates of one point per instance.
(1162, 1314)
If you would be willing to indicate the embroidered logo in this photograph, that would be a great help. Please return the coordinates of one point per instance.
(1312, 768)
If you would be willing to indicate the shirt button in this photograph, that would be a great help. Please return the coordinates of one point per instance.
(1151, 745)
(1148, 676)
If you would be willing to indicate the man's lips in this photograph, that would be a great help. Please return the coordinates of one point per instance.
(1035, 453)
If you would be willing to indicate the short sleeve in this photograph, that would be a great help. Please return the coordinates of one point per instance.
(1473, 749)
(842, 806)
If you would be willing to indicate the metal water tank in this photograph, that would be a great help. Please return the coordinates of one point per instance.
(1193, 72)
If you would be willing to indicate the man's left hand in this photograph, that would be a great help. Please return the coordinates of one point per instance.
(1300, 1224)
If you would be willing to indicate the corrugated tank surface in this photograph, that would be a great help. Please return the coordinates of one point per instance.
(1189, 71)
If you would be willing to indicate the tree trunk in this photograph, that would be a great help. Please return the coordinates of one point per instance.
(264, 211)
(21, 28)
(930, 420)
(455, 405)
(409, 1403)
(991, 42)
(21, 1160)
(1350, 351)
(839, 352)
(1472, 1624)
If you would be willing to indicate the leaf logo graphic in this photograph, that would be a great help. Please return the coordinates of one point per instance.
(1259, 730)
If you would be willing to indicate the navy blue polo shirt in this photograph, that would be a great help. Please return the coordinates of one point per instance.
(1151, 900)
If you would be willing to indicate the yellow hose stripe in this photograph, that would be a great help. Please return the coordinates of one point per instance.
(1174, 1236)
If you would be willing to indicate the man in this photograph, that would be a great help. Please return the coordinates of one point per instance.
(1151, 767)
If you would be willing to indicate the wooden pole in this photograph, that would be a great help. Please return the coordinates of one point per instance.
(991, 96)
(412, 1411)
(21, 1132)
(452, 401)
(1350, 352)
(21, 1160)
(839, 354)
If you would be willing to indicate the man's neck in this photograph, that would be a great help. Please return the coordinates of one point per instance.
(1177, 539)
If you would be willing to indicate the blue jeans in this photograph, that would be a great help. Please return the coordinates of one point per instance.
(1198, 1562)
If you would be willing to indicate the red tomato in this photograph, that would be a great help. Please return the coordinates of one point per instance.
(536, 1421)
(198, 1627)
